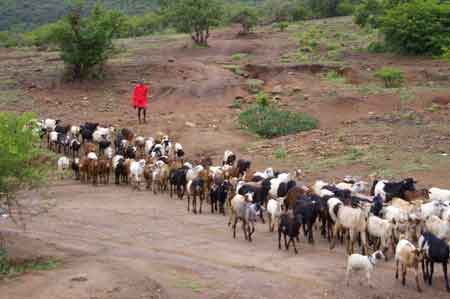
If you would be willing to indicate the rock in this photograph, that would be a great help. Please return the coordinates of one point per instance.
(79, 278)
(277, 89)
(306, 96)
(85, 98)
(190, 124)
(296, 89)
(441, 100)
(171, 60)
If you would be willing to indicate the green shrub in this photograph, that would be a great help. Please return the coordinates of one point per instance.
(239, 56)
(334, 76)
(281, 26)
(269, 121)
(237, 104)
(254, 85)
(10, 39)
(280, 153)
(446, 55)
(417, 27)
(141, 25)
(262, 99)
(345, 8)
(245, 15)
(390, 76)
(43, 36)
(377, 47)
(368, 13)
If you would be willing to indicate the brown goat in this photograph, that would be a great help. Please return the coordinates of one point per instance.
(422, 194)
(104, 170)
(408, 256)
(93, 171)
(293, 195)
(89, 148)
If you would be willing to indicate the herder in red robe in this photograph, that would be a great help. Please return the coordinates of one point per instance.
(140, 99)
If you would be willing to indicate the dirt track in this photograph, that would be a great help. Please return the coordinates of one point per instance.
(131, 244)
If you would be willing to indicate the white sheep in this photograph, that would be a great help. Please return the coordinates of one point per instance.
(102, 133)
(357, 187)
(194, 172)
(318, 185)
(382, 229)
(92, 156)
(109, 152)
(50, 124)
(431, 208)
(437, 194)
(148, 145)
(274, 212)
(353, 219)
(438, 227)
(137, 171)
(74, 131)
(379, 189)
(362, 263)
(266, 174)
(116, 159)
(63, 163)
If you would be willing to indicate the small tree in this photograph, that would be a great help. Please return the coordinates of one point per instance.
(391, 77)
(20, 166)
(86, 42)
(417, 27)
(246, 16)
(195, 17)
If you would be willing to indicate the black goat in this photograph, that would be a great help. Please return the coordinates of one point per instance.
(120, 172)
(260, 192)
(307, 209)
(288, 226)
(219, 195)
(395, 189)
(436, 251)
(243, 166)
(177, 181)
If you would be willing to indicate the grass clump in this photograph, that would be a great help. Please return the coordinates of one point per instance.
(254, 85)
(9, 267)
(391, 77)
(334, 76)
(239, 56)
(268, 121)
(280, 153)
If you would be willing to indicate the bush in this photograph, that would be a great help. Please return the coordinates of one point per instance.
(20, 166)
(280, 153)
(245, 15)
(281, 26)
(146, 24)
(254, 85)
(345, 8)
(368, 13)
(377, 47)
(43, 35)
(269, 121)
(446, 55)
(391, 77)
(417, 27)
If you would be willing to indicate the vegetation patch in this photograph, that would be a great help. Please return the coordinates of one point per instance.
(9, 267)
(280, 153)
(239, 56)
(391, 77)
(254, 85)
(269, 121)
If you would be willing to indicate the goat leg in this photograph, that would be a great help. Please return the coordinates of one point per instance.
(444, 269)
(295, 247)
(430, 277)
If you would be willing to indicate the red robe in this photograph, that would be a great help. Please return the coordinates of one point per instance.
(140, 96)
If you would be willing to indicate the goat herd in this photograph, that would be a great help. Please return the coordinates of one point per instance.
(413, 224)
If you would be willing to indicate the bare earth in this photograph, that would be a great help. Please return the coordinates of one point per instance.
(114, 242)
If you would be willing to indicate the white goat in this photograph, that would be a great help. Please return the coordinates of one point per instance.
(437, 194)
(438, 227)
(137, 171)
(274, 212)
(63, 164)
(194, 172)
(382, 229)
(362, 263)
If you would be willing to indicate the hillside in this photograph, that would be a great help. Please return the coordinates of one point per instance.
(26, 14)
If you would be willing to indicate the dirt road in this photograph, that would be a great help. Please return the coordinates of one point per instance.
(129, 244)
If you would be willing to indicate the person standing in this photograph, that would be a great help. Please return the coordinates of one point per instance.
(140, 99)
